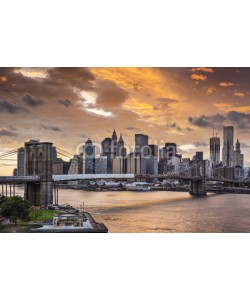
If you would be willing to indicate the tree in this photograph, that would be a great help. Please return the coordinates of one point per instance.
(15, 208)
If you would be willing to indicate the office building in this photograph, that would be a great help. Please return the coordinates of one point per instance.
(228, 146)
(76, 165)
(151, 165)
(121, 150)
(20, 162)
(114, 145)
(198, 156)
(163, 166)
(238, 173)
(141, 145)
(238, 157)
(153, 151)
(168, 151)
(60, 166)
(101, 165)
(106, 151)
(224, 173)
(88, 157)
(133, 164)
(214, 151)
(119, 165)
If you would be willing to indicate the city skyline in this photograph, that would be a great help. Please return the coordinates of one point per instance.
(69, 105)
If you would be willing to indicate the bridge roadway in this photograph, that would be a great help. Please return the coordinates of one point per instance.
(58, 178)
(188, 178)
(75, 177)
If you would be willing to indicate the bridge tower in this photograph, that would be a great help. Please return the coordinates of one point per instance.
(198, 169)
(38, 161)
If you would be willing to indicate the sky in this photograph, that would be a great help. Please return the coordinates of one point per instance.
(67, 106)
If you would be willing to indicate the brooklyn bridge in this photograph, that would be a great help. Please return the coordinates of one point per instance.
(41, 186)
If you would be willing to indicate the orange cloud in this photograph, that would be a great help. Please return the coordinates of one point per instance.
(3, 78)
(224, 106)
(198, 77)
(226, 84)
(206, 70)
(239, 94)
(210, 90)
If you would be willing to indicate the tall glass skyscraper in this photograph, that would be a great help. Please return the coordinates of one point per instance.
(88, 157)
(228, 146)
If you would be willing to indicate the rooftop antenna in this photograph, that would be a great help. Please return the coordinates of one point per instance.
(213, 131)
(216, 134)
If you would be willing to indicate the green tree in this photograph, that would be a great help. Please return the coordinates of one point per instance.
(15, 208)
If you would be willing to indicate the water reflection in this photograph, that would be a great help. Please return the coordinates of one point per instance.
(163, 211)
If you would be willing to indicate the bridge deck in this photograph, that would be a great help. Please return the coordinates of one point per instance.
(75, 177)
(19, 179)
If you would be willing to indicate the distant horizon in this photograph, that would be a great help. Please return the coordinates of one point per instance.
(68, 105)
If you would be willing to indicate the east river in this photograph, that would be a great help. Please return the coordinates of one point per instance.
(162, 211)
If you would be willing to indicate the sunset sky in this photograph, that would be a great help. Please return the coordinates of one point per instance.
(68, 105)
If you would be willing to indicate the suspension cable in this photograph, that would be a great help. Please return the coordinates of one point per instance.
(64, 151)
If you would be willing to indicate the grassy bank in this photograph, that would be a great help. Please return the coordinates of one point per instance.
(43, 215)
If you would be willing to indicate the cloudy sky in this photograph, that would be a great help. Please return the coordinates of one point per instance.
(68, 105)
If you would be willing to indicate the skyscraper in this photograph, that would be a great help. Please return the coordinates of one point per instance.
(153, 150)
(88, 157)
(114, 145)
(214, 151)
(169, 151)
(101, 165)
(121, 150)
(20, 162)
(238, 157)
(141, 144)
(106, 151)
(198, 155)
(133, 163)
(228, 146)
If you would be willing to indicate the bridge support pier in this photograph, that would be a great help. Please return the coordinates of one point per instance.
(198, 187)
(38, 161)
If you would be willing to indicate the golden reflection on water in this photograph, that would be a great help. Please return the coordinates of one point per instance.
(163, 211)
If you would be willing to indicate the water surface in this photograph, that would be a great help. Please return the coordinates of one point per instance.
(163, 211)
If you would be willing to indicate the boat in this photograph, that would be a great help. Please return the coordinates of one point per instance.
(138, 187)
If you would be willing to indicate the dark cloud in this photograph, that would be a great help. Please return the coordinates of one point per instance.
(109, 94)
(241, 120)
(207, 121)
(52, 128)
(8, 133)
(80, 78)
(31, 101)
(200, 144)
(6, 106)
(132, 128)
(174, 126)
(59, 83)
(65, 102)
